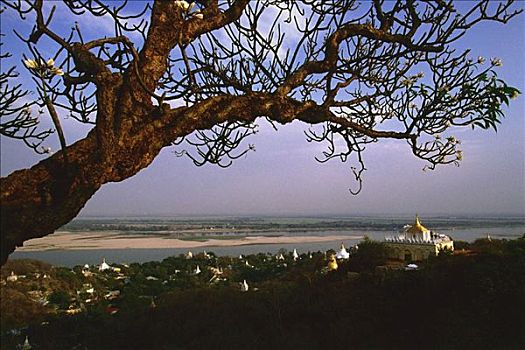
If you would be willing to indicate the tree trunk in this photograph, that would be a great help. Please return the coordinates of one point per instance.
(37, 201)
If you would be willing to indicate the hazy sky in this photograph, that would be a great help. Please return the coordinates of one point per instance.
(282, 177)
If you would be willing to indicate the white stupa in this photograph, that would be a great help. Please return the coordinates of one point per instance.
(342, 253)
(26, 345)
(12, 277)
(280, 257)
(197, 270)
(244, 286)
(104, 266)
(295, 255)
(189, 255)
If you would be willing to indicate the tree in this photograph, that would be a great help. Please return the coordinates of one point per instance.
(60, 298)
(205, 73)
(369, 255)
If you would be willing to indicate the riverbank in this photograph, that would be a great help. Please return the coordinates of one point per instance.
(108, 240)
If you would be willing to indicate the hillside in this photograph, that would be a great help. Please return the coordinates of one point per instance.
(472, 299)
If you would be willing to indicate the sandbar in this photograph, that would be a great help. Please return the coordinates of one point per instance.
(108, 240)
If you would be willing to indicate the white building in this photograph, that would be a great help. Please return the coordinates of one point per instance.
(417, 243)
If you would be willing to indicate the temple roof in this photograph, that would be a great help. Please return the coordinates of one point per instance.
(417, 227)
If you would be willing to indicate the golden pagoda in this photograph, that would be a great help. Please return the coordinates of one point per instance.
(332, 263)
(418, 231)
(416, 243)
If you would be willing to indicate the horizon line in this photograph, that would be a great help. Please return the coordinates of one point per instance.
(306, 215)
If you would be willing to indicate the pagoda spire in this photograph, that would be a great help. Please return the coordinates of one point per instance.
(26, 345)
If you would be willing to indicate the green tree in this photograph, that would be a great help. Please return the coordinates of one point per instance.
(368, 255)
(358, 72)
(60, 298)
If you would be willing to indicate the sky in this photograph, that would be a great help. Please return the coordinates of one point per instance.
(282, 177)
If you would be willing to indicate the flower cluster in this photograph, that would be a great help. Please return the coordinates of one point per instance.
(45, 69)
(186, 8)
(453, 140)
(444, 89)
(496, 62)
(412, 79)
(407, 82)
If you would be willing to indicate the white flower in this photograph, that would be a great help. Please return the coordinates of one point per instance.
(57, 71)
(198, 15)
(184, 5)
(44, 68)
(406, 82)
(496, 62)
(31, 64)
(481, 59)
(515, 94)
(443, 88)
(46, 150)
